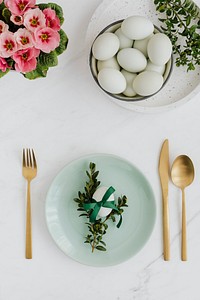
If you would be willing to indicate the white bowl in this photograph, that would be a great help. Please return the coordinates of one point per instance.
(94, 70)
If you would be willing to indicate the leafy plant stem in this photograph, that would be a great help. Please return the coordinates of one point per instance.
(181, 23)
(98, 228)
(170, 6)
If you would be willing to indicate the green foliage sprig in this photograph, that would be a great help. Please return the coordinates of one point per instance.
(99, 228)
(181, 23)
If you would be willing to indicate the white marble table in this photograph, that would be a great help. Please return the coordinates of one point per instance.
(64, 117)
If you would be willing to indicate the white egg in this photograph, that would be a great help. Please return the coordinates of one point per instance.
(137, 27)
(112, 80)
(129, 91)
(152, 67)
(142, 45)
(98, 195)
(131, 60)
(124, 41)
(109, 63)
(159, 49)
(105, 46)
(147, 83)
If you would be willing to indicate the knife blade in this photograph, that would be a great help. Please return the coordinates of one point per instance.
(164, 180)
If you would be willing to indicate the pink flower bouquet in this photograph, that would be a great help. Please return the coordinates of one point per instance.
(31, 37)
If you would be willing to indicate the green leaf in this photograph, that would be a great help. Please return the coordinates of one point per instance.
(168, 12)
(10, 62)
(175, 20)
(6, 14)
(48, 59)
(4, 73)
(191, 67)
(100, 248)
(162, 19)
(186, 3)
(92, 166)
(95, 175)
(184, 32)
(86, 242)
(77, 200)
(188, 20)
(161, 9)
(40, 71)
(88, 174)
(56, 7)
(163, 28)
(103, 243)
(2, 6)
(182, 12)
(193, 28)
(113, 218)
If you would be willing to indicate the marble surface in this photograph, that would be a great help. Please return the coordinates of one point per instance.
(66, 116)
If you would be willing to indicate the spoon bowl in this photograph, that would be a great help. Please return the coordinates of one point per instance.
(182, 175)
(182, 172)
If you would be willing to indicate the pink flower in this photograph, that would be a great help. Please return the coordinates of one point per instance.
(3, 27)
(52, 20)
(23, 38)
(34, 19)
(3, 64)
(26, 60)
(19, 7)
(47, 39)
(1, 1)
(17, 20)
(8, 45)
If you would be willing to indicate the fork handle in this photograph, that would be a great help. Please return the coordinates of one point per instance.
(28, 224)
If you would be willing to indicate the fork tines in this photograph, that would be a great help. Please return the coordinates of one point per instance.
(29, 159)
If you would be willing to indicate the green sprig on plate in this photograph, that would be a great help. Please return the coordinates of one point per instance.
(97, 226)
(181, 23)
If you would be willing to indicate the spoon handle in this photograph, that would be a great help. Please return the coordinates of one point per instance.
(184, 235)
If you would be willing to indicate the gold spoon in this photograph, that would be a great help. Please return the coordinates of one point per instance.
(182, 174)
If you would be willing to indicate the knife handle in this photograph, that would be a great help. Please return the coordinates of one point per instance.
(166, 239)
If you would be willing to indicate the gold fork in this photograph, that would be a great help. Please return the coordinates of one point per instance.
(29, 171)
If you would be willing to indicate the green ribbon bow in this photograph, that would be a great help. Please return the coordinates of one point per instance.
(96, 206)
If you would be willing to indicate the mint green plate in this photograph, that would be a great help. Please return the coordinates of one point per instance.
(68, 229)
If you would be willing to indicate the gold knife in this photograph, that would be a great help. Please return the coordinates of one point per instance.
(164, 179)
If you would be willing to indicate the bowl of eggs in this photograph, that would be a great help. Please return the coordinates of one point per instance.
(131, 59)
